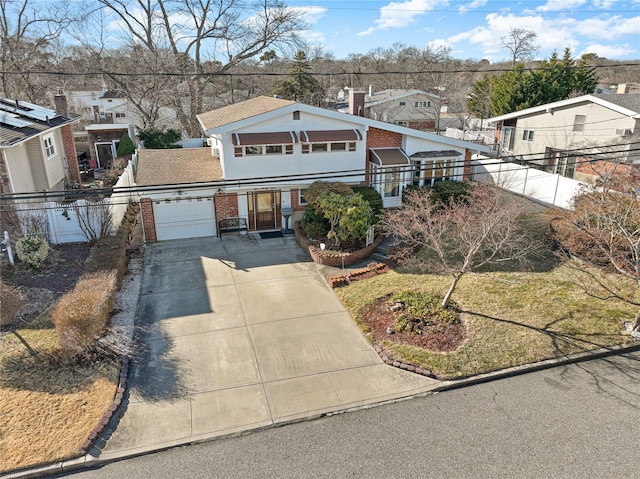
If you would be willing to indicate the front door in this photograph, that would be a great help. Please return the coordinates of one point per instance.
(264, 210)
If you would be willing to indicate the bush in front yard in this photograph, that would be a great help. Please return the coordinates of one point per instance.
(32, 250)
(82, 314)
(109, 253)
(10, 303)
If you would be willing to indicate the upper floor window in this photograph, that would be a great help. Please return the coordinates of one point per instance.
(402, 103)
(329, 146)
(578, 123)
(120, 115)
(260, 150)
(49, 147)
(527, 135)
(423, 104)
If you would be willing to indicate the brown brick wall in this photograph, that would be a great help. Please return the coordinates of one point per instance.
(70, 152)
(226, 205)
(466, 173)
(148, 220)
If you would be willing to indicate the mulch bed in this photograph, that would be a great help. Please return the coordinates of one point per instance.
(438, 337)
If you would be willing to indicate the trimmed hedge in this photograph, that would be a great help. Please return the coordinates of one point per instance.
(81, 315)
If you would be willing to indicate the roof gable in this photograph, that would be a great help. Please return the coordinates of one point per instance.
(240, 111)
(622, 106)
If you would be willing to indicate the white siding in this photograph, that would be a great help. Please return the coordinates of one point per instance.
(191, 215)
(298, 163)
(17, 162)
(554, 129)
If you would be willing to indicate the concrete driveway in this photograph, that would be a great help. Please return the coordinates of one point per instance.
(238, 334)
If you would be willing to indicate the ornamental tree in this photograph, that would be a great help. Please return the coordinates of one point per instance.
(461, 236)
(603, 231)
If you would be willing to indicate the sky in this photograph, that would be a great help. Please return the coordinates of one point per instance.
(473, 28)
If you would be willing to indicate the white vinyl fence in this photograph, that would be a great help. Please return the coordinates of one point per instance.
(538, 185)
(61, 221)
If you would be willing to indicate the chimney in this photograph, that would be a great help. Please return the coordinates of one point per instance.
(623, 88)
(356, 101)
(60, 100)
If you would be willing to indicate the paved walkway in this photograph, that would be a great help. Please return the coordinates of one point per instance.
(238, 334)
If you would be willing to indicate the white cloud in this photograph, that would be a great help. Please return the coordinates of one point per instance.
(604, 4)
(608, 28)
(401, 14)
(312, 14)
(439, 44)
(559, 5)
(611, 51)
(472, 6)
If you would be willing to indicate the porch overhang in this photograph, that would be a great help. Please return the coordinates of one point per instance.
(325, 136)
(274, 138)
(389, 157)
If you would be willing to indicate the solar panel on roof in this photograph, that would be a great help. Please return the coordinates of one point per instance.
(35, 111)
(13, 120)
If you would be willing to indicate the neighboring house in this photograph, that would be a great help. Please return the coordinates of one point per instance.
(100, 106)
(411, 108)
(601, 128)
(265, 152)
(103, 141)
(37, 148)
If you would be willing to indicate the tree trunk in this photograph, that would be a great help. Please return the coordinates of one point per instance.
(636, 323)
(454, 283)
(32, 352)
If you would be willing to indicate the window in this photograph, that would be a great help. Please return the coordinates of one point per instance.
(578, 123)
(301, 198)
(273, 149)
(120, 115)
(423, 104)
(338, 146)
(566, 166)
(527, 135)
(296, 115)
(49, 147)
(391, 183)
(319, 147)
(253, 150)
(402, 103)
(508, 135)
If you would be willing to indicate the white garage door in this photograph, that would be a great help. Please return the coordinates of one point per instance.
(184, 218)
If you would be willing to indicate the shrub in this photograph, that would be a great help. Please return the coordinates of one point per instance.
(447, 191)
(373, 198)
(421, 309)
(32, 250)
(10, 303)
(81, 315)
(126, 146)
(313, 223)
(320, 188)
(109, 253)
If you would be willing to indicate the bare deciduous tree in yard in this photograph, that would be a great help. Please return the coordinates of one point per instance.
(210, 39)
(464, 235)
(521, 44)
(603, 230)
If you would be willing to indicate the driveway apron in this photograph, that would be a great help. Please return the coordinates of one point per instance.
(237, 334)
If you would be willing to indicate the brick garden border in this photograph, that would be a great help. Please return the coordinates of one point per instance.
(333, 258)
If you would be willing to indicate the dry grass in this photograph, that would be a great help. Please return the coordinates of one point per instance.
(513, 318)
(48, 409)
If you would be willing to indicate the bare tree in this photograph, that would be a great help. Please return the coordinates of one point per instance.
(203, 38)
(603, 230)
(472, 231)
(521, 44)
(28, 30)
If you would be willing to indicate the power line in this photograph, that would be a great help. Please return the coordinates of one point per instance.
(278, 74)
(19, 198)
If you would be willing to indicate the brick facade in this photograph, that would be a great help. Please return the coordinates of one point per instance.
(148, 220)
(70, 152)
(226, 205)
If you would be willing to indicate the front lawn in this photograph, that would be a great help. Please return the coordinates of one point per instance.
(512, 318)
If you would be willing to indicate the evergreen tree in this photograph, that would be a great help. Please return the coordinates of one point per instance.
(300, 85)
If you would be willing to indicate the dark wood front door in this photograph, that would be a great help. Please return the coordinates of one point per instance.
(264, 210)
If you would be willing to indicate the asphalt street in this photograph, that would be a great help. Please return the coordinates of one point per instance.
(575, 421)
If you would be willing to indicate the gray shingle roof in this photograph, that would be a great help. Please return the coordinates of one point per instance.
(630, 101)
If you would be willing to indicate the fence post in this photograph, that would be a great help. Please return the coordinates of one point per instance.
(555, 193)
(524, 185)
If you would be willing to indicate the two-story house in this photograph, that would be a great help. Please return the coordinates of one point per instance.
(37, 150)
(579, 138)
(264, 153)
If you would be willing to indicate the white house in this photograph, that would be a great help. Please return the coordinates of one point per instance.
(264, 153)
(555, 135)
(36, 147)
